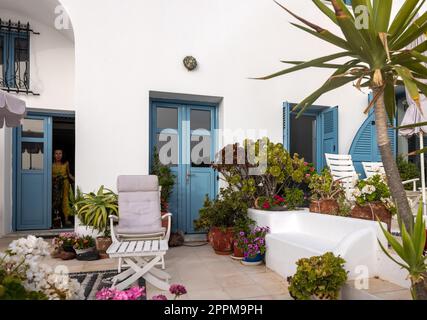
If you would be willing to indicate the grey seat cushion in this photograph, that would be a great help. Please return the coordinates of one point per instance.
(139, 205)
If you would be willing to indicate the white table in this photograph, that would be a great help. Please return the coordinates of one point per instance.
(142, 258)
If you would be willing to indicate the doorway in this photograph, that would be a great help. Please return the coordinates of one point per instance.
(35, 198)
(303, 137)
(184, 136)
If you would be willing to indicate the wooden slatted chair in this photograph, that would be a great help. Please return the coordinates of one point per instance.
(139, 212)
(342, 169)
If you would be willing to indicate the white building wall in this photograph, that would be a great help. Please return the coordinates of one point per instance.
(125, 49)
(51, 75)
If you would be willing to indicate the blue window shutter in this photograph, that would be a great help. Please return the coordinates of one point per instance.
(365, 147)
(329, 135)
(286, 125)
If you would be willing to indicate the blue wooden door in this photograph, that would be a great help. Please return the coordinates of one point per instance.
(328, 131)
(184, 137)
(33, 163)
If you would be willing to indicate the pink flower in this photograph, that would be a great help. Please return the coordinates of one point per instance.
(312, 169)
(177, 289)
(135, 293)
(105, 294)
(307, 175)
(306, 164)
(121, 295)
(160, 297)
(266, 205)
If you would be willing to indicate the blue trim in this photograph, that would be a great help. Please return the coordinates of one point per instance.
(16, 163)
(184, 110)
(317, 111)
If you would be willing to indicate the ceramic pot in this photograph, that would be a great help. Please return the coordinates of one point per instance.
(372, 211)
(222, 240)
(326, 206)
(82, 251)
(253, 261)
(68, 248)
(102, 244)
(237, 252)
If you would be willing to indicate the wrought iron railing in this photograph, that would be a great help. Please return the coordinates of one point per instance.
(15, 57)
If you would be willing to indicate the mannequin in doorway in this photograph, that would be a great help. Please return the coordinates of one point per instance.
(61, 181)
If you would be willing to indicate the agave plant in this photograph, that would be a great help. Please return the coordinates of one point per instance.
(373, 54)
(95, 208)
(411, 251)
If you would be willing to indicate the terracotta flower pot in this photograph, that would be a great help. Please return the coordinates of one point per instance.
(237, 252)
(372, 211)
(222, 241)
(102, 244)
(326, 206)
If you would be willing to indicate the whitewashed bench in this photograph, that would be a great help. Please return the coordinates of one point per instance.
(141, 257)
(300, 234)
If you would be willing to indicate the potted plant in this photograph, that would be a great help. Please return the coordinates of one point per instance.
(327, 195)
(319, 277)
(373, 200)
(94, 211)
(219, 217)
(242, 226)
(253, 245)
(266, 174)
(84, 245)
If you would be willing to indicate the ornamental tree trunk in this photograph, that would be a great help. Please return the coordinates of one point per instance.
(393, 176)
(419, 290)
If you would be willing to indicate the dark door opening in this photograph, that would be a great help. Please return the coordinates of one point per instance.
(63, 169)
(303, 137)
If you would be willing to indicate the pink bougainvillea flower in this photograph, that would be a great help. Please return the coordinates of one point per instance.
(135, 293)
(105, 294)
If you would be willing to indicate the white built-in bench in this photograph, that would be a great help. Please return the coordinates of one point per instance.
(301, 234)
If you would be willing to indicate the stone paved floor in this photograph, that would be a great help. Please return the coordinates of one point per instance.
(213, 277)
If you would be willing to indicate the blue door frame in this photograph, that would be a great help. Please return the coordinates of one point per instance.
(326, 130)
(192, 184)
(36, 196)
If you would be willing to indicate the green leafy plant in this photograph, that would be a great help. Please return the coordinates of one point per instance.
(95, 208)
(320, 276)
(407, 170)
(224, 212)
(294, 198)
(323, 187)
(278, 170)
(85, 242)
(74, 199)
(411, 251)
(374, 189)
(166, 179)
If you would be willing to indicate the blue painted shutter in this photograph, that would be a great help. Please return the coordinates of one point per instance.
(286, 125)
(329, 137)
(365, 147)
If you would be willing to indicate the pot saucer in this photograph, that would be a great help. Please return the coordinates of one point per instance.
(236, 258)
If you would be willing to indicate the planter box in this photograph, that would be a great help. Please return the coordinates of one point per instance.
(327, 206)
(373, 211)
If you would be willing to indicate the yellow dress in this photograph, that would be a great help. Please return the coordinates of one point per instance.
(63, 170)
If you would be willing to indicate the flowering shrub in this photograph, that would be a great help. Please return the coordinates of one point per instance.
(134, 293)
(253, 243)
(267, 203)
(374, 189)
(65, 239)
(22, 276)
(85, 242)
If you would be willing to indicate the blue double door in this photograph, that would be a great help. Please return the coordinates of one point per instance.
(184, 137)
(32, 174)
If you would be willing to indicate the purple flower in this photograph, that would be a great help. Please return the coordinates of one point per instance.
(159, 297)
(241, 233)
(177, 289)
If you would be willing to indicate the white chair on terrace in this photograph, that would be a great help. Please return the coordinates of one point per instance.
(342, 169)
(139, 212)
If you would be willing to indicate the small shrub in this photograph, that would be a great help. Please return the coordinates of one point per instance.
(319, 276)
(407, 170)
(294, 198)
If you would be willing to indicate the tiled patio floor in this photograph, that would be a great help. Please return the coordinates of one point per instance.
(213, 277)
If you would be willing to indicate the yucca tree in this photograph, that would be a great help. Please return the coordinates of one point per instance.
(373, 55)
